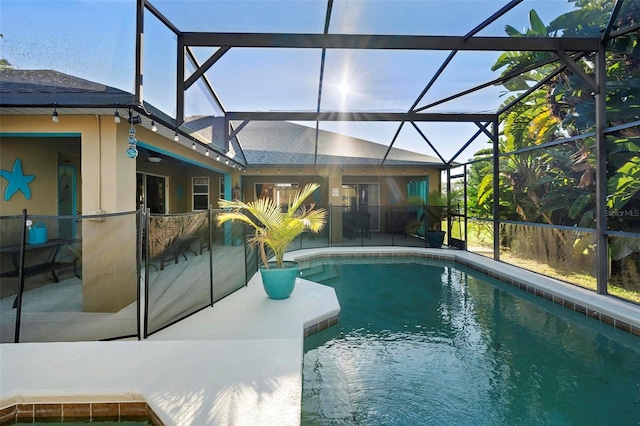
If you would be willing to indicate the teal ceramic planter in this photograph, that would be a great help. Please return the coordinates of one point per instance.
(434, 238)
(279, 282)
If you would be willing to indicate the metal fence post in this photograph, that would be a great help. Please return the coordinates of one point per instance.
(16, 338)
(210, 241)
(146, 222)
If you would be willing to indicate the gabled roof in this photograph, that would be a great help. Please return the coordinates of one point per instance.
(283, 143)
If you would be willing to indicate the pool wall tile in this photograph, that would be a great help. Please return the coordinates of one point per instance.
(153, 417)
(593, 314)
(8, 416)
(607, 319)
(24, 412)
(133, 411)
(76, 412)
(48, 412)
(105, 410)
(622, 325)
(319, 326)
(79, 412)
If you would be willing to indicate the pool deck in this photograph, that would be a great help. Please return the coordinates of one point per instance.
(237, 363)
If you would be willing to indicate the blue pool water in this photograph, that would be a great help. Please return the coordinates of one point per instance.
(432, 344)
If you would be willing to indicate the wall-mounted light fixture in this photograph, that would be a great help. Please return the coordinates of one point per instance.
(54, 116)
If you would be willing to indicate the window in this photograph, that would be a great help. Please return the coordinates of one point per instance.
(200, 193)
(280, 192)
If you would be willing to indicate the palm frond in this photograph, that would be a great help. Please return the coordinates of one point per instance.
(274, 228)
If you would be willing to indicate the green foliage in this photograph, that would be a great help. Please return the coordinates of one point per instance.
(273, 227)
(556, 184)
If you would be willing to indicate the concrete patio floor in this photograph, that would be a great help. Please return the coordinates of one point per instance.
(237, 363)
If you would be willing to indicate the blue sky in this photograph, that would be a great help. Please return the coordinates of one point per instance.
(94, 39)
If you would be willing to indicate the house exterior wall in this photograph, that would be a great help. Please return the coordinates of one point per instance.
(106, 182)
(392, 181)
(36, 154)
(180, 173)
(321, 198)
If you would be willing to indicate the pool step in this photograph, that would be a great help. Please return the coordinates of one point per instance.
(319, 273)
(330, 401)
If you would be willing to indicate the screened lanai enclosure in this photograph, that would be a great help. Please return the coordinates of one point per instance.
(530, 107)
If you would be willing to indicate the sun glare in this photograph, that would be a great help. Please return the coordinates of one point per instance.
(344, 88)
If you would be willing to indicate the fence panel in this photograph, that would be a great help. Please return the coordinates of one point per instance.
(80, 280)
(179, 281)
(230, 267)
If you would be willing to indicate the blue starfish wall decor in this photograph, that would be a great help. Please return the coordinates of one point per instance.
(17, 181)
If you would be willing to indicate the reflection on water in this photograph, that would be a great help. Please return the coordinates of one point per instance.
(430, 344)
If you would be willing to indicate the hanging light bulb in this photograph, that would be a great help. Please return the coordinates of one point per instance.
(116, 116)
(226, 161)
(207, 153)
(54, 116)
(176, 137)
(193, 147)
(154, 128)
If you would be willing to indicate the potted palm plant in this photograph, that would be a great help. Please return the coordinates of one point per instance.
(428, 225)
(275, 228)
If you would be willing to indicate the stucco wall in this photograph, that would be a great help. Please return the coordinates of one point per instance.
(39, 157)
(107, 184)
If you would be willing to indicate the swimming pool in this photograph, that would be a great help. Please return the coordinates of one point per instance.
(432, 342)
